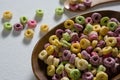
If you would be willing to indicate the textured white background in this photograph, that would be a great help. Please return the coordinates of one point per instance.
(15, 51)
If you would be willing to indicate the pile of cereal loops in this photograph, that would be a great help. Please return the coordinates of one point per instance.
(87, 49)
(79, 4)
(31, 24)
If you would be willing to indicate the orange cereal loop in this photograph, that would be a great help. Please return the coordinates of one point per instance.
(7, 15)
(44, 28)
(29, 33)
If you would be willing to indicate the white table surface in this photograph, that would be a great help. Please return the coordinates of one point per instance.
(15, 51)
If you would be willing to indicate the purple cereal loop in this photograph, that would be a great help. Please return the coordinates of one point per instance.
(95, 60)
(56, 77)
(46, 45)
(85, 54)
(59, 32)
(68, 31)
(96, 17)
(66, 55)
(72, 59)
(73, 7)
(89, 49)
(81, 6)
(18, 27)
(74, 37)
(87, 76)
(93, 37)
(109, 62)
(83, 36)
(88, 3)
(78, 26)
(88, 20)
(114, 20)
(112, 34)
(64, 73)
(101, 44)
(117, 31)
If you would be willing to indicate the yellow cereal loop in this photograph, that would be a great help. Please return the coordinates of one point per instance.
(50, 70)
(84, 43)
(80, 56)
(106, 50)
(100, 37)
(57, 43)
(111, 41)
(94, 43)
(29, 33)
(103, 30)
(75, 47)
(69, 24)
(7, 15)
(115, 52)
(52, 39)
(50, 49)
(96, 27)
(98, 50)
(44, 28)
(101, 76)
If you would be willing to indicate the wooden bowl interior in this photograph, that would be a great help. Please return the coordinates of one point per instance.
(38, 66)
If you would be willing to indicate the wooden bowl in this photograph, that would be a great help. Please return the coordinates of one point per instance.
(39, 67)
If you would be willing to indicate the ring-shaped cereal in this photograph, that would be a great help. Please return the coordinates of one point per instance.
(84, 43)
(42, 55)
(112, 25)
(69, 67)
(50, 60)
(106, 50)
(52, 39)
(75, 47)
(96, 27)
(56, 61)
(82, 64)
(75, 74)
(60, 69)
(50, 70)
(7, 26)
(23, 20)
(104, 21)
(104, 30)
(44, 28)
(98, 50)
(101, 76)
(69, 24)
(80, 19)
(29, 33)
(64, 78)
(50, 49)
(111, 41)
(7, 15)
(94, 43)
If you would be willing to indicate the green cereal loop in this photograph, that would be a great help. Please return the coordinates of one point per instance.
(60, 69)
(89, 27)
(59, 11)
(104, 21)
(65, 43)
(89, 67)
(23, 20)
(7, 26)
(64, 62)
(39, 13)
(69, 67)
(75, 74)
(66, 36)
(101, 68)
(112, 25)
(80, 19)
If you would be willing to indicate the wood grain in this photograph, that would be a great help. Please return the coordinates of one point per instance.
(38, 66)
